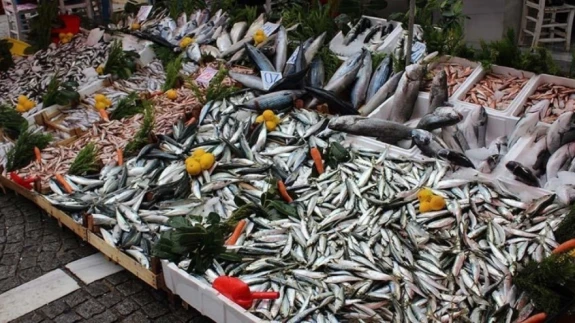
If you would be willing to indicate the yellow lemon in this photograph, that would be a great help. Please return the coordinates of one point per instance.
(207, 161)
(100, 70)
(171, 94)
(259, 38)
(269, 115)
(425, 195)
(135, 26)
(22, 99)
(260, 32)
(108, 102)
(198, 152)
(20, 108)
(260, 119)
(64, 40)
(193, 167)
(424, 207)
(277, 119)
(100, 97)
(437, 203)
(28, 105)
(61, 35)
(185, 42)
(271, 125)
(69, 35)
(100, 105)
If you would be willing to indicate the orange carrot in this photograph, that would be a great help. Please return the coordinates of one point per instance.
(237, 232)
(565, 246)
(316, 156)
(64, 184)
(283, 192)
(191, 121)
(38, 154)
(537, 318)
(120, 154)
(104, 114)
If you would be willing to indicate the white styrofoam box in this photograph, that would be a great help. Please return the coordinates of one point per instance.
(497, 125)
(519, 105)
(471, 81)
(203, 297)
(336, 46)
(146, 55)
(457, 60)
(420, 109)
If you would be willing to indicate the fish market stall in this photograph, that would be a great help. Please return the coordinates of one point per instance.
(247, 158)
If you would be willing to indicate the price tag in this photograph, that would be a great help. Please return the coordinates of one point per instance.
(206, 76)
(269, 28)
(143, 13)
(270, 78)
(293, 56)
(418, 46)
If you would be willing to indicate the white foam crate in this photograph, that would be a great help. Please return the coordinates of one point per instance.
(203, 297)
(336, 46)
(471, 81)
(518, 107)
(457, 60)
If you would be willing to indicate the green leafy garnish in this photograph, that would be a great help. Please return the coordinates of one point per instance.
(142, 137)
(23, 151)
(127, 107)
(86, 161)
(216, 91)
(61, 93)
(11, 122)
(120, 63)
(40, 36)
(172, 74)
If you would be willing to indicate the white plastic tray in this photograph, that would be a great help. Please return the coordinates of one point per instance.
(519, 104)
(461, 61)
(480, 74)
(203, 297)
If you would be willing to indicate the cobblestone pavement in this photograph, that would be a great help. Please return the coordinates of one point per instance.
(32, 244)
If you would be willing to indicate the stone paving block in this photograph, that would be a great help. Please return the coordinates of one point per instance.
(33, 317)
(110, 299)
(137, 317)
(143, 298)
(126, 307)
(106, 317)
(90, 308)
(26, 262)
(76, 298)
(129, 288)
(98, 288)
(69, 317)
(118, 278)
(155, 309)
(7, 271)
(54, 309)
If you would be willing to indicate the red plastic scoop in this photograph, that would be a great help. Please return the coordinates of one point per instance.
(24, 182)
(239, 292)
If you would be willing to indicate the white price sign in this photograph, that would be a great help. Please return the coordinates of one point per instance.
(143, 13)
(206, 76)
(270, 78)
(293, 56)
(269, 28)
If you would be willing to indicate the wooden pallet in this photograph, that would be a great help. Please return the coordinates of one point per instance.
(122, 259)
(151, 277)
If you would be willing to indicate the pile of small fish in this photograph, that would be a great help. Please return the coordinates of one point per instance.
(31, 75)
(496, 91)
(359, 248)
(561, 99)
(366, 33)
(455, 73)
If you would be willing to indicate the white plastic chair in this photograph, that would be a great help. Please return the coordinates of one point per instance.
(546, 27)
(18, 18)
(74, 6)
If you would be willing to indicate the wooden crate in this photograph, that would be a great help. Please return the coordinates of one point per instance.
(122, 259)
(41, 202)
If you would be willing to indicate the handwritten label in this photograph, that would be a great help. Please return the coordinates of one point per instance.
(417, 50)
(270, 78)
(143, 13)
(269, 28)
(293, 56)
(206, 76)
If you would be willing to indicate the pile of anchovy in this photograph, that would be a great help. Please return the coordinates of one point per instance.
(31, 75)
(359, 248)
